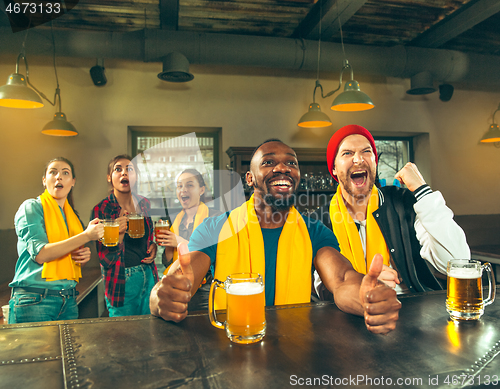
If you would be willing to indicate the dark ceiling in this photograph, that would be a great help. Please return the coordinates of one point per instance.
(471, 26)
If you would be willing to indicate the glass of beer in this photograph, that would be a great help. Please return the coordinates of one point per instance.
(245, 303)
(135, 225)
(161, 225)
(464, 300)
(111, 232)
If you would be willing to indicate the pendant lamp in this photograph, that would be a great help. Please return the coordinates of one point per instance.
(314, 118)
(59, 126)
(493, 133)
(16, 93)
(350, 100)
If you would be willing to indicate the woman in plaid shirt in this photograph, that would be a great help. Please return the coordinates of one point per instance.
(128, 269)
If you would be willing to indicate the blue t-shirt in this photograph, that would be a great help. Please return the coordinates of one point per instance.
(206, 236)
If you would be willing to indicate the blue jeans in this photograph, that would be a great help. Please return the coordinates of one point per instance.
(139, 281)
(33, 307)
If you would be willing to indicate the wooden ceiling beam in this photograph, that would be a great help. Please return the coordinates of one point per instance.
(331, 10)
(457, 23)
(169, 14)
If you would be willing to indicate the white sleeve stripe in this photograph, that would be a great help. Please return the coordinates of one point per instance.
(422, 191)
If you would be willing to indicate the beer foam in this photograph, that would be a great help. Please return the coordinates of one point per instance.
(245, 288)
(465, 273)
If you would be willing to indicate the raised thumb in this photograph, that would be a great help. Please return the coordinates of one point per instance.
(185, 261)
(370, 279)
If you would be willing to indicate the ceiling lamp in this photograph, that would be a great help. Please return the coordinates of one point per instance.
(493, 133)
(59, 126)
(16, 93)
(314, 118)
(352, 99)
(175, 68)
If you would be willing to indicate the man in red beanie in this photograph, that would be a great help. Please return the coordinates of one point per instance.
(408, 227)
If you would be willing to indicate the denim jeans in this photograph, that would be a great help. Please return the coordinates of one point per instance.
(139, 281)
(32, 307)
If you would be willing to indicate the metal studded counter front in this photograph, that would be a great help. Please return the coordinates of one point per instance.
(305, 345)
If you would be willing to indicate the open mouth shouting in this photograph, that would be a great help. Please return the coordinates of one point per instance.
(125, 182)
(185, 199)
(59, 186)
(359, 177)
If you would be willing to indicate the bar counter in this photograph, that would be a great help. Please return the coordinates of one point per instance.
(304, 345)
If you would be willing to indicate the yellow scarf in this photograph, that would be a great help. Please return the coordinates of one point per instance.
(240, 249)
(201, 214)
(63, 268)
(347, 234)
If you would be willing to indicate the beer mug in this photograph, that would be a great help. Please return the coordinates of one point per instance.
(135, 225)
(111, 232)
(464, 299)
(161, 225)
(245, 303)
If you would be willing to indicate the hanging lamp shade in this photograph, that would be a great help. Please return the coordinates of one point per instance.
(59, 126)
(17, 94)
(492, 135)
(352, 99)
(314, 118)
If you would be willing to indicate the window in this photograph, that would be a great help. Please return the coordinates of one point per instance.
(393, 154)
(162, 153)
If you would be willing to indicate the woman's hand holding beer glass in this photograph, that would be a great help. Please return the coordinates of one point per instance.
(94, 230)
(167, 238)
(122, 224)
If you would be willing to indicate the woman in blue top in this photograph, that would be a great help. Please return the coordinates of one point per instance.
(51, 250)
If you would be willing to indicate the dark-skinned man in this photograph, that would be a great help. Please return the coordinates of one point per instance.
(267, 235)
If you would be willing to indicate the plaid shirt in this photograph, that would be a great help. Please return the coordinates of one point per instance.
(111, 258)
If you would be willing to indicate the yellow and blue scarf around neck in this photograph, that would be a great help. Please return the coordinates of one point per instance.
(201, 214)
(240, 249)
(347, 233)
(63, 268)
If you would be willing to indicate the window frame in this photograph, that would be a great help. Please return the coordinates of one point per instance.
(173, 131)
(409, 139)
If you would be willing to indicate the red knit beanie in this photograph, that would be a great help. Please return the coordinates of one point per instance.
(338, 137)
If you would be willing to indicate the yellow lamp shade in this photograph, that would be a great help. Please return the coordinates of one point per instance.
(314, 118)
(492, 135)
(17, 94)
(59, 126)
(352, 99)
